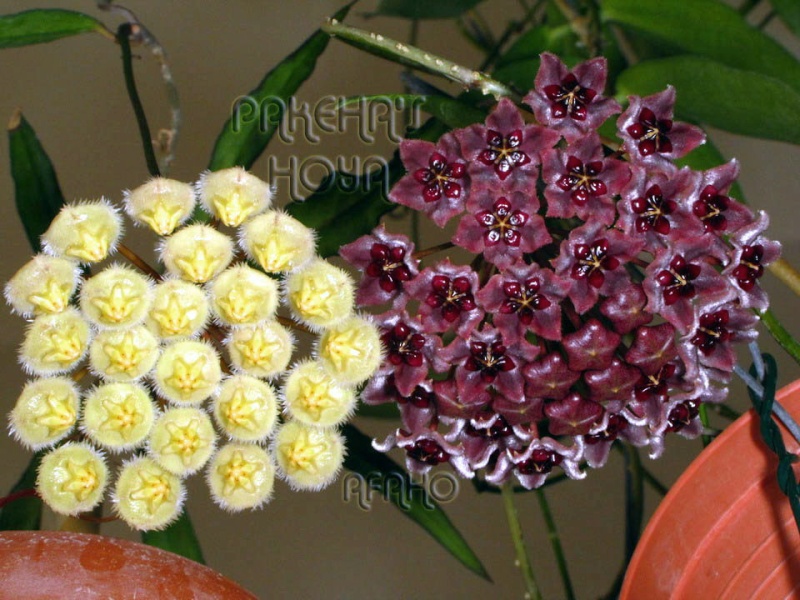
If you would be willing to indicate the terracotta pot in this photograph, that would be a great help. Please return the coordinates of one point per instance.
(724, 530)
(39, 565)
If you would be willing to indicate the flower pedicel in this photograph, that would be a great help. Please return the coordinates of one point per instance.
(605, 293)
(154, 345)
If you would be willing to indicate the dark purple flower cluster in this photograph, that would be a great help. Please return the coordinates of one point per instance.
(607, 288)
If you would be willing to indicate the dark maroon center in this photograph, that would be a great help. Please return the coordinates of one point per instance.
(616, 424)
(523, 299)
(440, 178)
(403, 345)
(682, 415)
(651, 133)
(541, 462)
(676, 280)
(388, 266)
(502, 224)
(454, 296)
(419, 398)
(569, 98)
(592, 260)
(749, 268)
(489, 359)
(709, 209)
(581, 179)
(428, 452)
(712, 331)
(498, 429)
(504, 152)
(652, 210)
(654, 385)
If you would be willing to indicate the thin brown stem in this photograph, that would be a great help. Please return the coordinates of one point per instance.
(420, 254)
(29, 493)
(138, 262)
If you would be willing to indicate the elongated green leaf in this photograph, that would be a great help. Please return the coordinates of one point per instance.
(379, 411)
(257, 115)
(424, 9)
(24, 513)
(789, 12)
(708, 92)
(451, 112)
(412, 499)
(708, 28)
(36, 190)
(178, 538)
(45, 25)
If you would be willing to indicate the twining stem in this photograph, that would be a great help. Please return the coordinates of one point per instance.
(123, 36)
(519, 544)
(29, 493)
(555, 542)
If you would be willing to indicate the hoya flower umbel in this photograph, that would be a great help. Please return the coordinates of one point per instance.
(537, 353)
(197, 253)
(44, 285)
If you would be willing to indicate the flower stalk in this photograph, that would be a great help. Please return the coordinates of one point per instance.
(555, 542)
(523, 560)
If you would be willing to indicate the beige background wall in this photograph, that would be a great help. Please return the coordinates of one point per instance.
(312, 545)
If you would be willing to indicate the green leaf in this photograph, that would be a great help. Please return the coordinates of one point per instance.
(384, 475)
(178, 538)
(708, 28)
(24, 513)
(708, 92)
(448, 110)
(36, 190)
(45, 25)
(424, 9)
(378, 411)
(257, 115)
(789, 12)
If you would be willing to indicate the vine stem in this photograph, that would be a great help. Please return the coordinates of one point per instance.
(412, 56)
(138, 262)
(555, 542)
(123, 36)
(515, 529)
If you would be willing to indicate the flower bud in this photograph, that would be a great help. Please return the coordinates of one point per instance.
(309, 458)
(320, 294)
(88, 231)
(278, 242)
(188, 372)
(161, 203)
(43, 285)
(351, 351)
(45, 412)
(197, 253)
(118, 416)
(116, 297)
(55, 343)
(233, 195)
(246, 409)
(182, 440)
(179, 310)
(147, 496)
(123, 354)
(243, 296)
(312, 397)
(262, 350)
(241, 476)
(72, 478)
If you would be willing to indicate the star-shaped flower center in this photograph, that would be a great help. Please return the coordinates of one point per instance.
(523, 299)
(304, 453)
(503, 152)
(122, 415)
(118, 304)
(651, 133)
(200, 265)
(489, 359)
(502, 224)
(592, 260)
(388, 266)
(56, 413)
(92, 242)
(162, 217)
(582, 180)
(188, 374)
(454, 296)
(241, 411)
(676, 280)
(440, 178)
(153, 489)
(749, 268)
(125, 354)
(51, 297)
(258, 350)
(238, 474)
(63, 346)
(712, 331)
(184, 440)
(652, 210)
(174, 318)
(239, 304)
(81, 478)
(569, 98)
(710, 208)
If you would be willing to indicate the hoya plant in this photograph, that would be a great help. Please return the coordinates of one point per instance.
(594, 268)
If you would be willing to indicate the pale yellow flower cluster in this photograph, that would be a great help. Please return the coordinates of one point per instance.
(156, 346)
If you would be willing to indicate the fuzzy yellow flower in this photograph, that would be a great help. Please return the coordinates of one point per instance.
(72, 478)
(233, 195)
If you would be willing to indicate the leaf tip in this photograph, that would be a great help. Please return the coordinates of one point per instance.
(15, 120)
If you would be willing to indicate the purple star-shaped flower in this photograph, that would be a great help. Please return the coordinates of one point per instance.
(437, 183)
(752, 252)
(502, 228)
(580, 181)
(504, 153)
(386, 262)
(571, 102)
(409, 349)
(650, 135)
